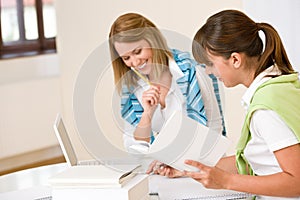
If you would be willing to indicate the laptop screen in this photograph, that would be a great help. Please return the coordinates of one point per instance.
(64, 141)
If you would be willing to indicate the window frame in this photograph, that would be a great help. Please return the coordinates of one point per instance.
(24, 47)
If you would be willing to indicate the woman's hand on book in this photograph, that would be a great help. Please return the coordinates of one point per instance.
(210, 177)
(162, 169)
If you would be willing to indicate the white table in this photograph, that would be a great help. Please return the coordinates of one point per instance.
(32, 184)
(29, 184)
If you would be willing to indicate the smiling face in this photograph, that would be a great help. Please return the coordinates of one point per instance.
(136, 54)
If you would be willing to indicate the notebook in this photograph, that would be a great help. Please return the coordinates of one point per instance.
(66, 145)
(190, 189)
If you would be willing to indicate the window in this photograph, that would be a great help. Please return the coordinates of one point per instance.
(27, 27)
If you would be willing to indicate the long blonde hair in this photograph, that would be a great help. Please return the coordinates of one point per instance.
(132, 27)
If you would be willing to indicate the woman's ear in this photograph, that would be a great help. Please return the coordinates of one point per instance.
(236, 60)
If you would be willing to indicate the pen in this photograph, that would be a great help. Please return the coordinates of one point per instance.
(153, 193)
(141, 76)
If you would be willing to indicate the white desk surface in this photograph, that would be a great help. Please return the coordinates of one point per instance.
(32, 184)
(29, 178)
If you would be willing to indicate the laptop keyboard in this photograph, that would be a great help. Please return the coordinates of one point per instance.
(44, 198)
(89, 162)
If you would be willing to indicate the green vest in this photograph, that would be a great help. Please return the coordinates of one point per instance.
(280, 94)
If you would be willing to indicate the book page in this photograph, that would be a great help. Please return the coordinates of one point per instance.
(183, 138)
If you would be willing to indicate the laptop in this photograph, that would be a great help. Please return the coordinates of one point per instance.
(85, 168)
(66, 145)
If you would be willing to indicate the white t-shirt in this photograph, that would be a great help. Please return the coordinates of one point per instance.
(175, 101)
(269, 133)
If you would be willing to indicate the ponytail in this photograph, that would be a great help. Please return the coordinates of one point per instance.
(222, 34)
(274, 51)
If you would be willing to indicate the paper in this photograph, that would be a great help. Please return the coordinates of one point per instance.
(183, 138)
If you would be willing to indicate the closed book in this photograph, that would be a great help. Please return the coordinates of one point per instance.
(135, 189)
(94, 176)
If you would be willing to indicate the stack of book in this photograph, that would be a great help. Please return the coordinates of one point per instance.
(100, 182)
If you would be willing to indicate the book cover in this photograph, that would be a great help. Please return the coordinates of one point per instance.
(136, 188)
(94, 176)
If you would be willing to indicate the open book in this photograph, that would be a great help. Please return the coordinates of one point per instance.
(183, 138)
(97, 176)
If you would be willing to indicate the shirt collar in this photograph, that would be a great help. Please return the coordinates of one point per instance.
(175, 70)
(260, 79)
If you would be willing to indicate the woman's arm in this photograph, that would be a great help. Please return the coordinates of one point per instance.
(150, 100)
(143, 129)
(228, 164)
(283, 184)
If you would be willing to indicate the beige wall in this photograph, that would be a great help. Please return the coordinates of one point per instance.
(34, 89)
(30, 100)
(83, 26)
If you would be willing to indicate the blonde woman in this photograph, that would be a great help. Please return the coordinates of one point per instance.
(154, 81)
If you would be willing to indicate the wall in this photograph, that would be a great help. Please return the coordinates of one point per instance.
(30, 100)
(284, 17)
(83, 26)
(32, 90)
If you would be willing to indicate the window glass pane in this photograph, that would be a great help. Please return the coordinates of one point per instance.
(9, 21)
(49, 18)
(31, 31)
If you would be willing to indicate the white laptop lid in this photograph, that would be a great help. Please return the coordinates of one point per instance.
(70, 155)
(64, 141)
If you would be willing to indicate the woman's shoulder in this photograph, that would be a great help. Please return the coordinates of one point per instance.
(179, 55)
(183, 59)
(283, 86)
